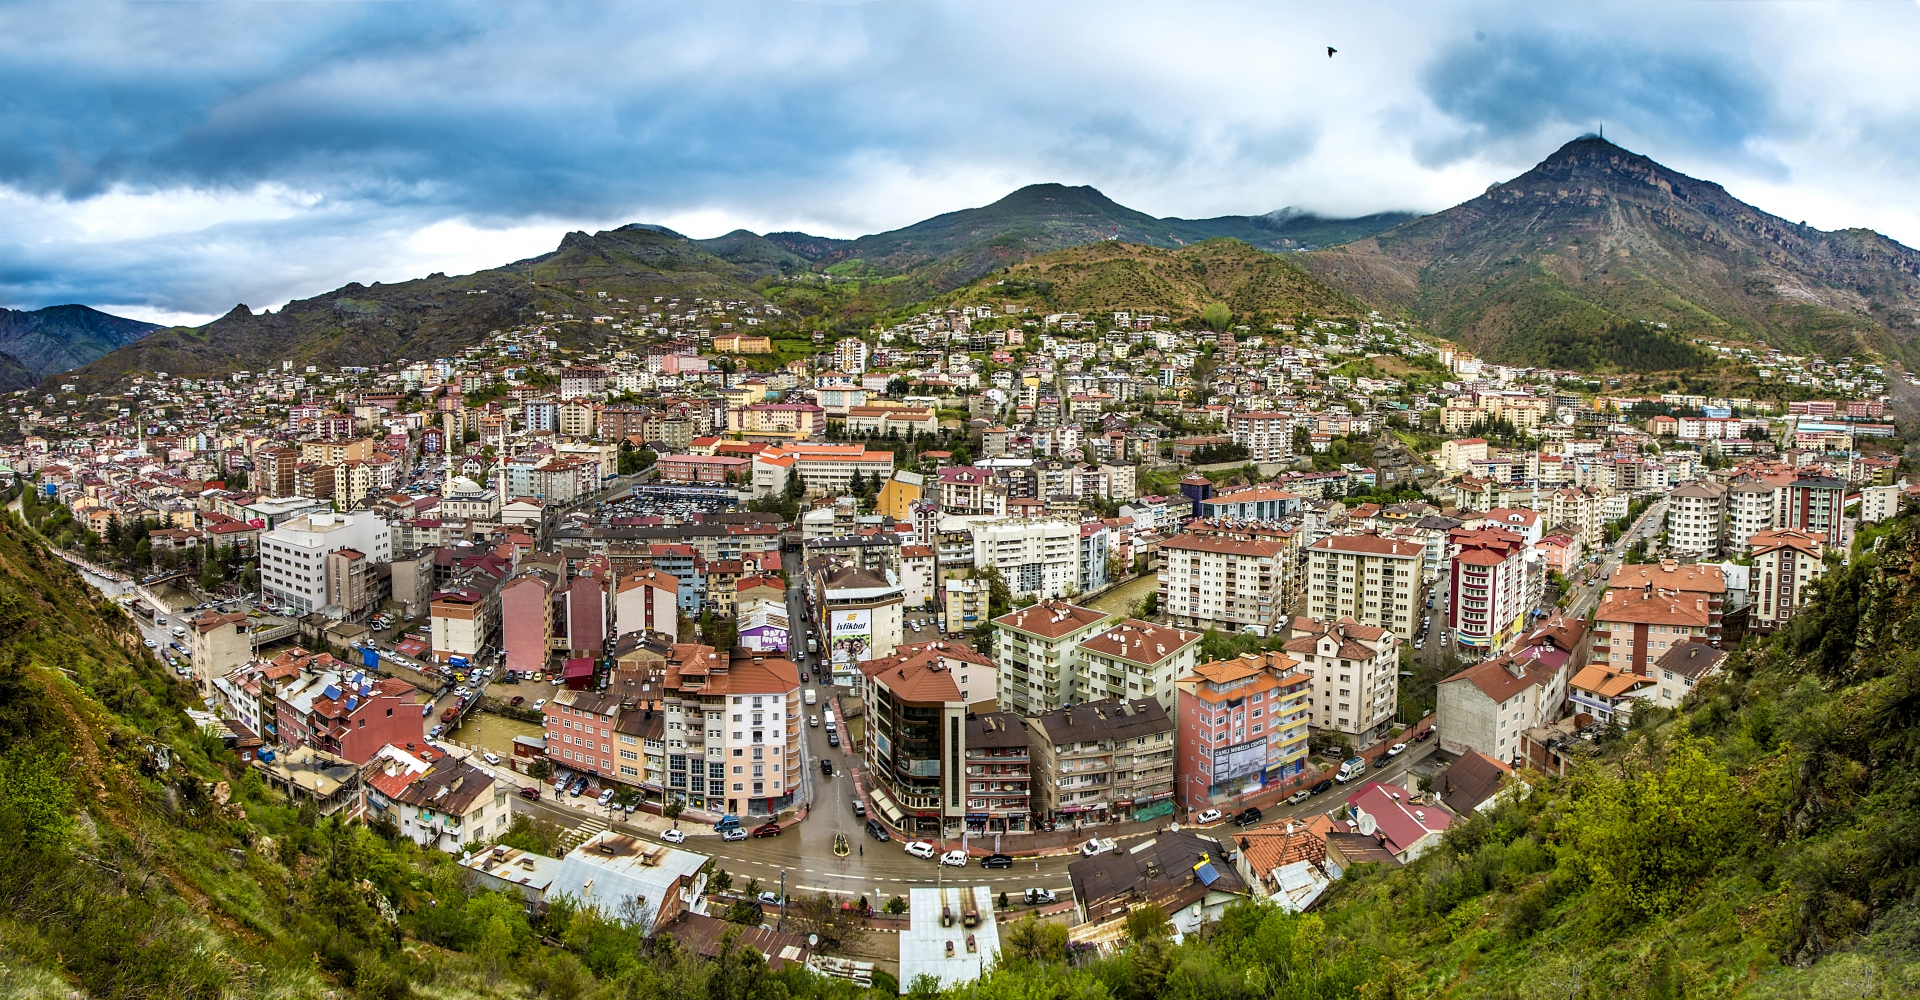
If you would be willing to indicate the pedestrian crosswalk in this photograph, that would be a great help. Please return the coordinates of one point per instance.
(589, 827)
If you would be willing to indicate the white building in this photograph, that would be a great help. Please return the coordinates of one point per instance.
(1210, 582)
(1036, 556)
(1879, 503)
(1036, 650)
(1356, 674)
(1751, 507)
(293, 556)
(447, 805)
(1135, 659)
(1373, 580)
(1268, 437)
(1696, 519)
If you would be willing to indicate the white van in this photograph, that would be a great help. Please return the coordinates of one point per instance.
(179, 633)
(828, 716)
(810, 697)
(1353, 768)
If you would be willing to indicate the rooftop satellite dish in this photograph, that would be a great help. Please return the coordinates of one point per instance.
(813, 940)
(1367, 825)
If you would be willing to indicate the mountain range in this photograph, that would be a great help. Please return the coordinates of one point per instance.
(1597, 257)
(42, 342)
(1596, 243)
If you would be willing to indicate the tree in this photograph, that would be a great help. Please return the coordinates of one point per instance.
(999, 595)
(1216, 316)
(746, 912)
(1147, 923)
(672, 811)
(720, 880)
(541, 769)
(896, 905)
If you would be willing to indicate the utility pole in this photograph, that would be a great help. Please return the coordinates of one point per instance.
(783, 901)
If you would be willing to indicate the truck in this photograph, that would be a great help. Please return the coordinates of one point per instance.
(1097, 846)
(456, 661)
(827, 717)
(452, 713)
(810, 696)
(1353, 768)
(813, 646)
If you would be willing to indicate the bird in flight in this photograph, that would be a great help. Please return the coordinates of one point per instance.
(1330, 51)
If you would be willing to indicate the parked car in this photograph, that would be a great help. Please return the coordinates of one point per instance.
(732, 834)
(1396, 750)
(1425, 734)
(1037, 897)
(538, 705)
(491, 758)
(876, 831)
(826, 767)
(767, 830)
(859, 808)
(516, 700)
(1298, 797)
(674, 836)
(579, 786)
(1248, 816)
(434, 733)
(1207, 816)
(606, 796)
(833, 738)
(997, 861)
(919, 848)
(813, 721)
(955, 859)
(531, 793)
(1096, 846)
(770, 898)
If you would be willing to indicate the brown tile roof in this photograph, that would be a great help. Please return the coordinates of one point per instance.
(915, 677)
(1658, 607)
(1472, 779)
(1139, 642)
(1372, 545)
(1112, 719)
(1496, 678)
(1051, 619)
(1692, 659)
(1697, 578)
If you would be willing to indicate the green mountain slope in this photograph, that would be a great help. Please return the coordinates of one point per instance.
(14, 375)
(62, 338)
(1597, 238)
(438, 315)
(1106, 276)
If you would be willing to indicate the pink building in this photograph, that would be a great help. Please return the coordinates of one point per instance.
(587, 604)
(526, 618)
(713, 469)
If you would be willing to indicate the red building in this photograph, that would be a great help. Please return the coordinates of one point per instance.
(705, 469)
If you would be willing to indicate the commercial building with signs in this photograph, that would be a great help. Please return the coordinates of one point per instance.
(1104, 760)
(859, 613)
(1243, 723)
(916, 721)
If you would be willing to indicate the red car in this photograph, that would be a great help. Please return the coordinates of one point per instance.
(768, 830)
(530, 792)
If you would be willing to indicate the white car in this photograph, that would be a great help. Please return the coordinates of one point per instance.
(812, 720)
(491, 758)
(151, 644)
(674, 836)
(1396, 750)
(733, 833)
(770, 898)
(919, 848)
(1210, 816)
(956, 859)
(605, 797)
(538, 705)
(460, 692)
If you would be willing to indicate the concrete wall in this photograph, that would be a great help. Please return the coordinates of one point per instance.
(1466, 718)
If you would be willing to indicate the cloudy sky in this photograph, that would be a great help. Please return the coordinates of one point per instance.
(167, 160)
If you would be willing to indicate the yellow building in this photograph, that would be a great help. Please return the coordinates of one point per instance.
(896, 499)
(740, 343)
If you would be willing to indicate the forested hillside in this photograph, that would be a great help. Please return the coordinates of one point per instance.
(1763, 843)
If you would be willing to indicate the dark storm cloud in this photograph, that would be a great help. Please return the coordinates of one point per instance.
(1511, 88)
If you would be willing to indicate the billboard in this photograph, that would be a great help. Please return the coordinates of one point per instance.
(1239, 760)
(851, 636)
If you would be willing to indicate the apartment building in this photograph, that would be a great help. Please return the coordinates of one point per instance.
(1225, 583)
(1815, 505)
(526, 618)
(1696, 519)
(916, 724)
(1268, 437)
(964, 603)
(999, 774)
(218, 643)
(1373, 580)
(1242, 724)
(1135, 659)
(1487, 706)
(1750, 508)
(1705, 581)
(1489, 587)
(1356, 674)
(648, 602)
(1785, 564)
(1633, 628)
(1037, 652)
(293, 556)
(446, 805)
(1103, 760)
(733, 730)
(1038, 556)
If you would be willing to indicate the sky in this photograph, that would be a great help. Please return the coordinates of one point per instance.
(166, 161)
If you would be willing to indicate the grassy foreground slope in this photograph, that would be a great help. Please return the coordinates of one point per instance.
(1762, 843)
